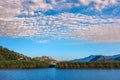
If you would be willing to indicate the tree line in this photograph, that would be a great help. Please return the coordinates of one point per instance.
(79, 65)
(23, 64)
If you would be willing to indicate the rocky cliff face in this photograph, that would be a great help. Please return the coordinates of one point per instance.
(47, 59)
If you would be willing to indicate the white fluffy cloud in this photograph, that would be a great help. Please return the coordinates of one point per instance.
(99, 4)
(36, 4)
(16, 28)
(62, 26)
(10, 8)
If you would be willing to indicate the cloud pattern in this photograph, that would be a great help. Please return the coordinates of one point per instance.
(65, 25)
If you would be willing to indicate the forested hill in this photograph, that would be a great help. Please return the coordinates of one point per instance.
(6, 54)
(13, 60)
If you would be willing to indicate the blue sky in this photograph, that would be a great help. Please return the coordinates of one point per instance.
(63, 29)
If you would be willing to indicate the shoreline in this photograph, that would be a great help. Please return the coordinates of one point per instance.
(59, 65)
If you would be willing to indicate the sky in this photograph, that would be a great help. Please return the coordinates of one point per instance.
(62, 29)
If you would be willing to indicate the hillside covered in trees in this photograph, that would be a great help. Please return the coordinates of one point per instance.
(10, 60)
(6, 54)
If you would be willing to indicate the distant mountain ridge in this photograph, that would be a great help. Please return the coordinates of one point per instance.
(86, 59)
(98, 58)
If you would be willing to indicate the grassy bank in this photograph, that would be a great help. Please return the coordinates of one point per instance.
(79, 65)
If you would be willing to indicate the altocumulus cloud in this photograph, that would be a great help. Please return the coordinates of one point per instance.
(64, 25)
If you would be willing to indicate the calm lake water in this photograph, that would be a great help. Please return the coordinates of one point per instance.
(58, 74)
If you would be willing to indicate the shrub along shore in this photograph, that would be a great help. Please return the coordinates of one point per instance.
(14, 64)
(23, 64)
(89, 65)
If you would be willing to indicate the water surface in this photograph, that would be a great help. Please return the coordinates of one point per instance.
(58, 74)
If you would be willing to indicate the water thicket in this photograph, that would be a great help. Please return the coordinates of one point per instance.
(80, 65)
(23, 64)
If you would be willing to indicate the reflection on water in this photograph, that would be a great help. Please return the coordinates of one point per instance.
(58, 74)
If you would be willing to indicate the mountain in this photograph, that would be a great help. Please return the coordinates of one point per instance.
(98, 58)
(115, 56)
(6, 54)
(86, 59)
(47, 59)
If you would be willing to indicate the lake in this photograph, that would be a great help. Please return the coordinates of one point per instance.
(60, 74)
